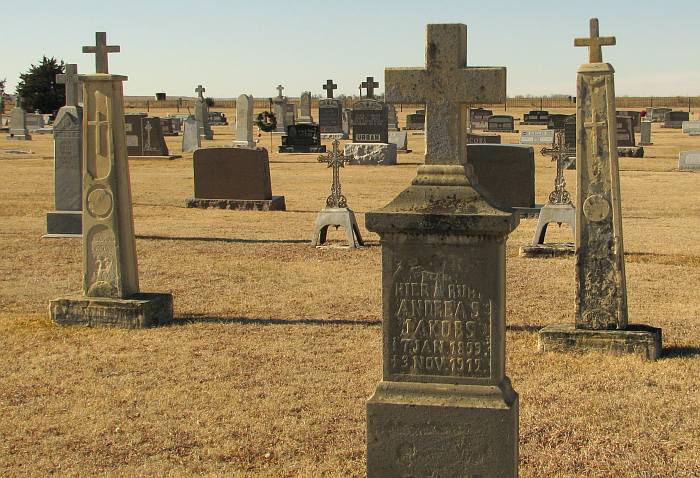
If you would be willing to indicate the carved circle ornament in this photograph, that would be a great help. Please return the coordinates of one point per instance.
(99, 203)
(596, 208)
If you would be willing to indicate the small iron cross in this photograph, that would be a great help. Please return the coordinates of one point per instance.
(336, 161)
(369, 85)
(595, 43)
(329, 87)
(101, 50)
(560, 153)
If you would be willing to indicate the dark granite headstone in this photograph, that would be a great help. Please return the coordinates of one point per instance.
(536, 117)
(168, 127)
(674, 119)
(370, 123)
(505, 173)
(144, 135)
(570, 132)
(479, 118)
(134, 133)
(501, 123)
(556, 121)
(330, 112)
(483, 138)
(302, 138)
(416, 121)
(636, 118)
(625, 131)
(231, 173)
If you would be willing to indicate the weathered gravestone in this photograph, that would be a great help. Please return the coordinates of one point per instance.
(689, 160)
(233, 178)
(34, 121)
(201, 114)
(645, 133)
(536, 117)
(305, 108)
(400, 139)
(330, 113)
(625, 131)
(244, 122)
(473, 138)
(479, 118)
(190, 136)
(280, 105)
(501, 124)
(444, 406)
(416, 121)
(505, 174)
(691, 128)
(657, 114)
(557, 121)
(110, 294)
(674, 119)
(18, 123)
(540, 136)
(636, 117)
(370, 130)
(601, 291)
(67, 219)
(302, 138)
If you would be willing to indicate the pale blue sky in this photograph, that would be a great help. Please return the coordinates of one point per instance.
(234, 47)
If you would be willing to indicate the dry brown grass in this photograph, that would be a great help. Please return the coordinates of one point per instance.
(277, 345)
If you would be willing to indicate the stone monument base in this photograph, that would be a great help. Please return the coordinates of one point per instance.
(334, 136)
(139, 311)
(302, 149)
(422, 429)
(64, 224)
(528, 212)
(337, 217)
(371, 153)
(277, 203)
(169, 157)
(637, 339)
(548, 250)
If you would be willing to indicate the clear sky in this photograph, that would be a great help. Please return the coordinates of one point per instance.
(233, 47)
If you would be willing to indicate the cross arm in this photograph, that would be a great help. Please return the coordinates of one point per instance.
(480, 84)
(405, 85)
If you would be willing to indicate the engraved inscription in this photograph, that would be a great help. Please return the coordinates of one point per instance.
(596, 208)
(440, 326)
(101, 272)
(99, 203)
(367, 137)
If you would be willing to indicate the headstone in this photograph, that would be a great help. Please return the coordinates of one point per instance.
(302, 138)
(444, 406)
(34, 121)
(416, 121)
(110, 294)
(201, 114)
(280, 105)
(370, 123)
(625, 131)
(689, 160)
(305, 108)
(691, 128)
(167, 125)
(67, 218)
(330, 112)
(674, 119)
(290, 115)
(645, 130)
(373, 154)
(218, 118)
(557, 121)
(392, 119)
(233, 178)
(657, 114)
(244, 122)
(539, 136)
(502, 124)
(505, 174)
(18, 124)
(536, 117)
(400, 139)
(144, 136)
(601, 292)
(133, 127)
(191, 140)
(636, 118)
(347, 122)
(483, 138)
(479, 118)
(570, 132)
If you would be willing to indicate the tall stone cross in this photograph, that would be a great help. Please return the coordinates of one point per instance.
(70, 79)
(595, 43)
(280, 88)
(200, 90)
(446, 85)
(369, 85)
(101, 50)
(329, 87)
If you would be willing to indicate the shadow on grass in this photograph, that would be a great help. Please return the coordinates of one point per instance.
(530, 328)
(212, 319)
(680, 352)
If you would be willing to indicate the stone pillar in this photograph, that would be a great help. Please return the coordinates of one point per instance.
(201, 114)
(601, 290)
(280, 107)
(244, 122)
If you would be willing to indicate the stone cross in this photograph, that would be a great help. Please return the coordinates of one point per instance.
(335, 160)
(280, 88)
(101, 50)
(200, 90)
(446, 85)
(370, 85)
(559, 153)
(70, 79)
(329, 87)
(594, 43)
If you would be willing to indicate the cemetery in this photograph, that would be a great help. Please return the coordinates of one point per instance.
(411, 281)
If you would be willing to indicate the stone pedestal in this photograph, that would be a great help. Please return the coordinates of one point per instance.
(276, 203)
(371, 153)
(64, 224)
(636, 339)
(551, 213)
(137, 311)
(337, 217)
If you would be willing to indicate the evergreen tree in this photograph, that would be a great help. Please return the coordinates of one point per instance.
(38, 88)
